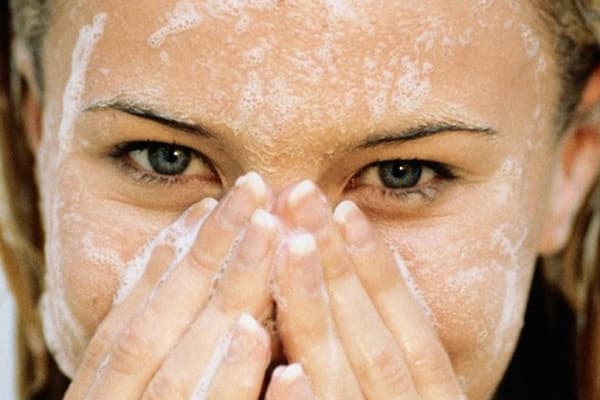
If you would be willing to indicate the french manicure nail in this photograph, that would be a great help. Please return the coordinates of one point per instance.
(304, 265)
(254, 182)
(303, 245)
(246, 338)
(199, 210)
(355, 228)
(291, 373)
(251, 193)
(258, 238)
(300, 192)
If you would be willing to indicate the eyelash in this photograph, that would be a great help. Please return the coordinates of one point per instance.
(120, 154)
(443, 172)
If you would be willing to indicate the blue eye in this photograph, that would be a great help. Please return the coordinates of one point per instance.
(400, 174)
(168, 160)
(169, 163)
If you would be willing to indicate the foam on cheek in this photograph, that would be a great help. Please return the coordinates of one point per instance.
(510, 173)
(416, 292)
(183, 17)
(511, 310)
(177, 236)
(64, 335)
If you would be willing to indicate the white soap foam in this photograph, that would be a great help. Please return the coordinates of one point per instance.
(412, 285)
(243, 24)
(511, 311)
(413, 87)
(225, 8)
(56, 313)
(87, 40)
(221, 350)
(182, 18)
(177, 236)
(58, 344)
(101, 255)
(510, 307)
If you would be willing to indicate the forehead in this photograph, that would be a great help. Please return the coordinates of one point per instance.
(268, 65)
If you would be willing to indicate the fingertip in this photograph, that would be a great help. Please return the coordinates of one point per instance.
(290, 383)
(292, 373)
(255, 183)
(264, 219)
(343, 210)
(198, 210)
(250, 326)
(302, 245)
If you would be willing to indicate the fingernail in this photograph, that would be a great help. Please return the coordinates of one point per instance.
(355, 229)
(303, 245)
(291, 373)
(258, 238)
(247, 337)
(250, 193)
(301, 191)
(304, 262)
(308, 206)
(278, 371)
(254, 182)
(199, 210)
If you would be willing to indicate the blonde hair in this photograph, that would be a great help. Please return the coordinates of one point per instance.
(575, 270)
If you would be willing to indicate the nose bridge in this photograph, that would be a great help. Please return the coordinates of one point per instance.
(283, 164)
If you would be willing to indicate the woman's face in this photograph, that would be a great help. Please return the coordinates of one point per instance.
(296, 90)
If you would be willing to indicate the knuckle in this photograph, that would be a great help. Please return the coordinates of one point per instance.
(430, 361)
(131, 352)
(99, 346)
(385, 365)
(164, 387)
(202, 261)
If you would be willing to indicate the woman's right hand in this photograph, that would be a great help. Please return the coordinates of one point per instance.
(172, 337)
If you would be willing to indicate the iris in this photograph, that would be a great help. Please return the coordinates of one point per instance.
(400, 173)
(169, 160)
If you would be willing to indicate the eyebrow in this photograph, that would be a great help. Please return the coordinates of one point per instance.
(153, 114)
(425, 130)
(421, 131)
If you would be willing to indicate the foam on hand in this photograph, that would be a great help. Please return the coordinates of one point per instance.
(177, 236)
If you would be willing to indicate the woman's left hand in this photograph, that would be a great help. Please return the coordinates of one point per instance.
(345, 313)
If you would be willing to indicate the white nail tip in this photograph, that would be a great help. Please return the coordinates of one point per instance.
(343, 210)
(303, 245)
(248, 323)
(291, 372)
(254, 182)
(263, 219)
(209, 203)
(301, 191)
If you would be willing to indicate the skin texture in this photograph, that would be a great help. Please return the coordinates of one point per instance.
(289, 89)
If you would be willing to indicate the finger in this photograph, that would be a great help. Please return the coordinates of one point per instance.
(290, 383)
(426, 357)
(162, 255)
(249, 267)
(140, 348)
(306, 325)
(374, 354)
(241, 372)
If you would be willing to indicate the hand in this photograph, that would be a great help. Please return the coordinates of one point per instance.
(185, 331)
(345, 313)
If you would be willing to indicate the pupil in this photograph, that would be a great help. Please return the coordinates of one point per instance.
(169, 160)
(400, 174)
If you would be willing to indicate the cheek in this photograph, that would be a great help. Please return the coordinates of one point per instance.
(473, 270)
(90, 240)
(475, 291)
